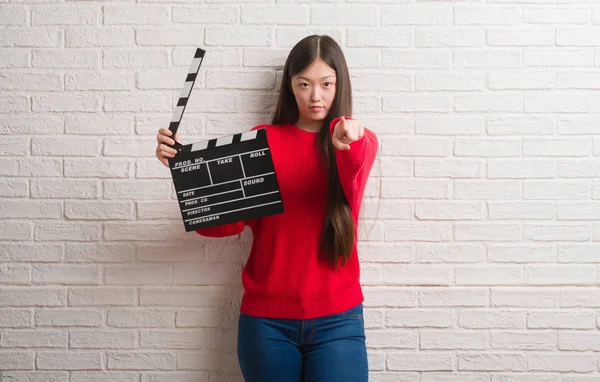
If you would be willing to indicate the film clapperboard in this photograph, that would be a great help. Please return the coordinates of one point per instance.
(222, 180)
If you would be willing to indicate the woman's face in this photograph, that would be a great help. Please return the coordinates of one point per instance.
(314, 90)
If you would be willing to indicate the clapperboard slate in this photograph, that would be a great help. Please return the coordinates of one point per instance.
(222, 180)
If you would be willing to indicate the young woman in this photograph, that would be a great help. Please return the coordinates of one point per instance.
(301, 314)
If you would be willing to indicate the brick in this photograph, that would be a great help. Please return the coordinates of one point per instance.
(97, 168)
(69, 360)
(520, 37)
(17, 104)
(66, 274)
(15, 274)
(450, 82)
(240, 79)
(556, 232)
(136, 14)
(102, 296)
(169, 36)
(136, 318)
(400, 231)
(33, 37)
(415, 188)
(417, 103)
(557, 147)
(521, 79)
(65, 14)
(149, 101)
(491, 319)
(17, 360)
(102, 210)
(416, 14)
(487, 59)
(579, 363)
(106, 124)
(99, 36)
(419, 362)
(449, 210)
(214, 274)
(138, 231)
(556, 190)
(439, 37)
(31, 296)
(488, 275)
(384, 38)
(65, 102)
(30, 81)
(196, 296)
(99, 252)
(288, 36)
(577, 36)
(520, 125)
(445, 252)
(103, 376)
(414, 274)
(140, 361)
(13, 15)
(136, 189)
(236, 36)
(487, 148)
(521, 210)
(14, 58)
(492, 362)
(36, 376)
(30, 209)
(34, 338)
(64, 188)
(65, 317)
(488, 103)
(14, 146)
(15, 230)
(65, 146)
(447, 168)
(557, 57)
(147, 274)
(486, 15)
(453, 340)
(556, 15)
(16, 318)
(205, 15)
(135, 58)
(561, 320)
(381, 81)
(102, 339)
(356, 15)
(31, 252)
(99, 81)
(449, 125)
(75, 231)
(65, 58)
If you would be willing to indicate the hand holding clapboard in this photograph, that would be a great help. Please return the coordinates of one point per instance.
(222, 180)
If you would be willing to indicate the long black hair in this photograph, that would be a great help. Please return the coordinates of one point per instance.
(337, 240)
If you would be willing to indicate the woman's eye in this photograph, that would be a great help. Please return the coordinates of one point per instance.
(328, 84)
(304, 85)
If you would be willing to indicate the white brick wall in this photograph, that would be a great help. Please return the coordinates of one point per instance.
(479, 236)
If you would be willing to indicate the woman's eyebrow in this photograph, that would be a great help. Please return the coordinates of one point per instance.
(304, 78)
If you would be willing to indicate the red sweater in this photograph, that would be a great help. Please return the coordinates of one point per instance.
(283, 277)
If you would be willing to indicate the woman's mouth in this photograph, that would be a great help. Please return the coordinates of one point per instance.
(316, 108)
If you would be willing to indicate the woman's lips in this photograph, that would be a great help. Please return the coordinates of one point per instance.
(316, 108)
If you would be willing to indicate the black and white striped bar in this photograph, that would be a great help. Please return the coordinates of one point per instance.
(226, 180)
(186, 91)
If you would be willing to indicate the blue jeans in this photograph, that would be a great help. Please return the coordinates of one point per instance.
(324, 349)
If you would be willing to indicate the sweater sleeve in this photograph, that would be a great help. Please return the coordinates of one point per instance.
(354, 165)
(223, 230)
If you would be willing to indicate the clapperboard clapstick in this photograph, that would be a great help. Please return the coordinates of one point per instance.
(222, 180)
